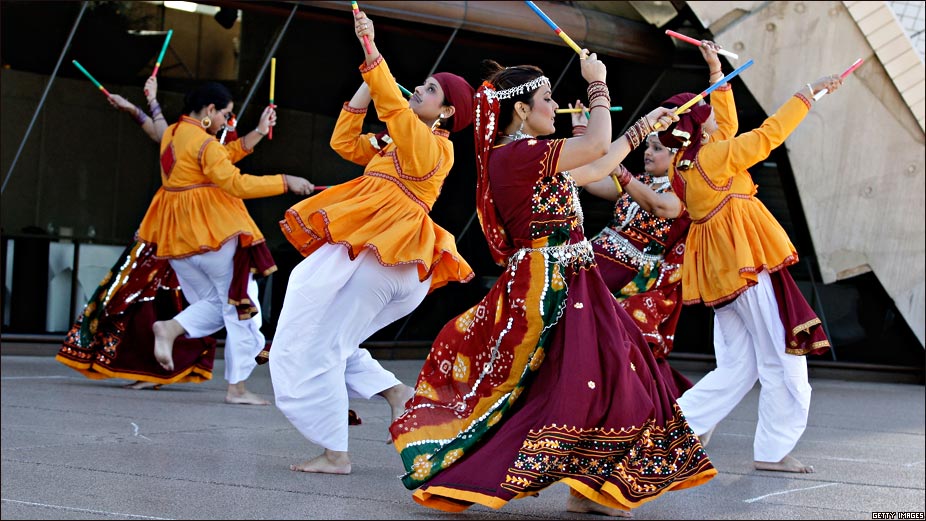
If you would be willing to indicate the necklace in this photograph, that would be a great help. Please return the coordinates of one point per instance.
(517, 136)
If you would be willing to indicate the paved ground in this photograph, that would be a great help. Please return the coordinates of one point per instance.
(79, 449)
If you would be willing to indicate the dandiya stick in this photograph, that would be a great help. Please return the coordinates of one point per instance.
(88, 75)
(273, 76)
(319, 188)
(577, 110)
(157, 64)
(708, 90)
(845, 74)
(366, 39)
(692, 41)
(405, 91)
(559, 32)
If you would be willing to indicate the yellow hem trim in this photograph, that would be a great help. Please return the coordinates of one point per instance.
(96, 372)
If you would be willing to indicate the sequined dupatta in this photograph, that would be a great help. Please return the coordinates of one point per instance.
(485, 126)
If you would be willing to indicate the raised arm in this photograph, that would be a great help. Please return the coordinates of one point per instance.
(749, 148)
(417, 147)
(347, 139)
(722, 98)
(582, 150)
(622, 146)
(137, 114)
(159, 122)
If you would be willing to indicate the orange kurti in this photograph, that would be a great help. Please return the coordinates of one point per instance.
(386, 209)
(199, 206)
(733, 236)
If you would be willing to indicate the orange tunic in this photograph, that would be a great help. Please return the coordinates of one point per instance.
(733, 236)
(199, 206)
(386, 209)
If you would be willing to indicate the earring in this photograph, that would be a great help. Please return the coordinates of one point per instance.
(205, 122)
(705, 136)
(520, 134)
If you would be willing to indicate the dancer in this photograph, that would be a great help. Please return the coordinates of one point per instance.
(112, 337)
(639, 253)
(198, 222)
(372, 253)
(547, 379)
(736, 262)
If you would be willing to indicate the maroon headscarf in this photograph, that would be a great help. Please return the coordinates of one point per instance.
(685, 134)
(459, 95)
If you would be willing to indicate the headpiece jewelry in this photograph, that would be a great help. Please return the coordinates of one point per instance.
(530, 86)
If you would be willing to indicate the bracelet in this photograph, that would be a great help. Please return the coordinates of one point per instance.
(259, 132)
(716, 72)
(579, 130)
(155, 107)
(140, 116)
(624, 178)
(637, 132)
(598, 89)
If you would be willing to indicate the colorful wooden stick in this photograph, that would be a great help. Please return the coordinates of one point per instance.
(83, 70)
(319, 188)
(157, 64)
(845, 74)
(577, 110)
(692, 41)
(273, 76)
(366, 39)
(559, 32)
(405, 91)
(708, 90)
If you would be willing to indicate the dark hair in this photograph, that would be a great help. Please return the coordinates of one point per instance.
(505, 78)
(206, 94)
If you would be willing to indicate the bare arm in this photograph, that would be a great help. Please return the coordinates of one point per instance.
(603, 188)
(137, 114)
(159, 122)
(665, 205)
(268, 118)
(582, 150)
(622, 146)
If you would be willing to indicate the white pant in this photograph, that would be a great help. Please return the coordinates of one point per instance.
(205, 279)
(749, 344)
(331, 305)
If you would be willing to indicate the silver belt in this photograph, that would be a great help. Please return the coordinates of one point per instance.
(563, 254)
(625, 247)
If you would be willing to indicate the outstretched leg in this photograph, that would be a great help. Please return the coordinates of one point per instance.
(787, 464)
(329, 462)
(165, 332)
(583, 505)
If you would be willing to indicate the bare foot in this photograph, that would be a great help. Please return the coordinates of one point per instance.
(706, 437)
(165, 332)
(787, 464)
(583, 505)
(238, 395)
(397, 396)
(331, 462)
(141, 384)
